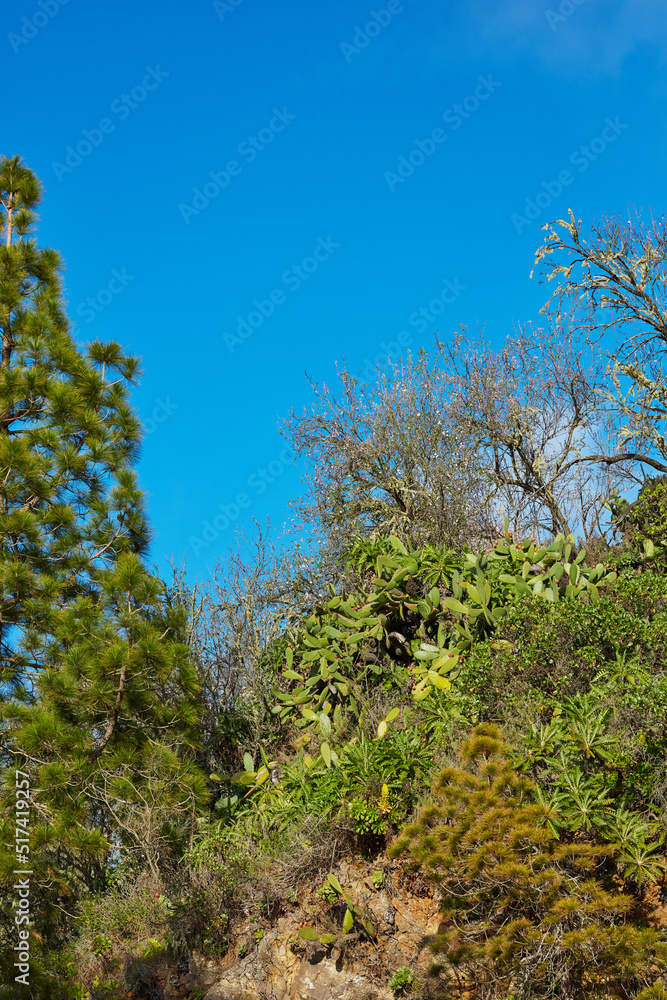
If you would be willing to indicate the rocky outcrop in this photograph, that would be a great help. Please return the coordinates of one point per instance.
(313, 978)
(268, 960)
(282, 966)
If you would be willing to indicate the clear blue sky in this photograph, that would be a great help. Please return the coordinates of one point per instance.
(304, 113)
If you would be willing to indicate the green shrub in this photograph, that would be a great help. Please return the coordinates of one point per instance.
(349, 789)
(559, 649)
(153, 949)
(587, 780)
(423, 610)
(327, 892)
(377, 878)
(368, 817)
(101, 944)
(126, 913)
(525, 912)
(402, 980)
(646, 524)
(477, 685)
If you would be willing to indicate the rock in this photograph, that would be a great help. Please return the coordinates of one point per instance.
(382, 913)
(317, 978)
(404, 925)
(237, 985)
(205, 971)
(321, 980)
(267, 971)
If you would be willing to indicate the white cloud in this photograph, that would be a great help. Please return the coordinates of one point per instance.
(595, 39)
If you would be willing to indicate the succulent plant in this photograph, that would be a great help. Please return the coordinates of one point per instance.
(424, 609)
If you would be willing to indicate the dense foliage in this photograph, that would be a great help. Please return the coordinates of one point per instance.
(422, 612)
(487, 706)
(98, 715)
(526, 910)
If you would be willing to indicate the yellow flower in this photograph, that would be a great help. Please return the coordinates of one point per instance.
(384, 799)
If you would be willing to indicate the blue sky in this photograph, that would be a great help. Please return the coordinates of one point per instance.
(245, 192)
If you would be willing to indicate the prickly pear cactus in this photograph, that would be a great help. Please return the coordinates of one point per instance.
(423, 610)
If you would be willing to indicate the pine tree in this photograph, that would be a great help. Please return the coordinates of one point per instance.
(69, 503)
(97, 692)
(525, 913)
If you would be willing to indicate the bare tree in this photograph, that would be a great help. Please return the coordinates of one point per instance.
(611, 286)
(259, 587)
(383, 460)
(153, 805)
(534, 412)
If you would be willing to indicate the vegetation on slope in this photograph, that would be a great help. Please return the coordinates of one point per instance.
(447, 672)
